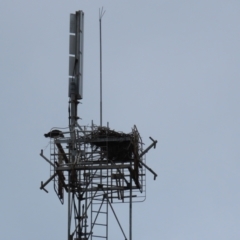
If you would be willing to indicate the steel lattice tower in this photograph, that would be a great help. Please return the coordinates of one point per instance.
(94, 166)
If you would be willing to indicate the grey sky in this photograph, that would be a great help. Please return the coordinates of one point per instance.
(170, 67)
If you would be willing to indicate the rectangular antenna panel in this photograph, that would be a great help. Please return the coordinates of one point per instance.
(76, 55)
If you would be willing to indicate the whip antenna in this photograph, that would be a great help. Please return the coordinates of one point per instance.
(101, 13)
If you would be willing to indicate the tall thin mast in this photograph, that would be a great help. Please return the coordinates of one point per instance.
(101, 13)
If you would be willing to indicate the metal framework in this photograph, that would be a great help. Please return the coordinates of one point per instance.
(94, 166)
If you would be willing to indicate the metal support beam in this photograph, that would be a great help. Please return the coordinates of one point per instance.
(43, 185)
(41, 154)
(77, 167)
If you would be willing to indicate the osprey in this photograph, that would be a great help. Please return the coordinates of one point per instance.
(54, 134)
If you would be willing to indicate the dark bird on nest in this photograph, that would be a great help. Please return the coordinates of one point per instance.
(54, 134)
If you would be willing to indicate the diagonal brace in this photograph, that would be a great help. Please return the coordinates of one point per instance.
(116, 218)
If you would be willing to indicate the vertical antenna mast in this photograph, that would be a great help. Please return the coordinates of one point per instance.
(101, 13)
(75, 93)
(75, 90)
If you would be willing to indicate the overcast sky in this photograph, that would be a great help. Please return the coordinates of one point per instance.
(170, 67)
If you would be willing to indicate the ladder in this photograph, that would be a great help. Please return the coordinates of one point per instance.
(99, 209)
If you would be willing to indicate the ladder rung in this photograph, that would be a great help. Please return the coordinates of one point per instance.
(99, 212)
(98, 236)
(100, 224)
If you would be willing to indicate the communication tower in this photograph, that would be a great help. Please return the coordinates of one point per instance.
(93, 167)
